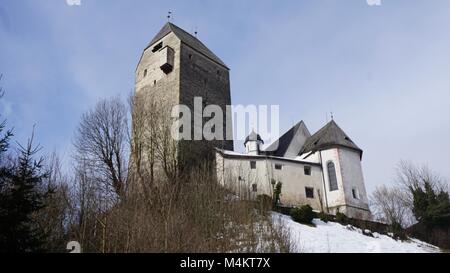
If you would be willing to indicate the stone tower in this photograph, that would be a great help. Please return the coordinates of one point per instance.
(175, 67)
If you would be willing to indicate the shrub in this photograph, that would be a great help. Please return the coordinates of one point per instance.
(304, 214)
(263, 203)
(277, 193)
(398, 232)
(431, 206)
(325, 217)
(341, 218)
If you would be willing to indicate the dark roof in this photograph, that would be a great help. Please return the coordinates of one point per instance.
(252, 137)
(331, 135)
(186, 38)
(290, 142)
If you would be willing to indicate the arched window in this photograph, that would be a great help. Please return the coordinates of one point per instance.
(332, 176)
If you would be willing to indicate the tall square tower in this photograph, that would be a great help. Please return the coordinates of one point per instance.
(175, 68)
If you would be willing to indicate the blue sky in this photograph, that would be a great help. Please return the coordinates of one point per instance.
(384, 71)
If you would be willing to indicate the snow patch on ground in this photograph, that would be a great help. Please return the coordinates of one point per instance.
(335, 238)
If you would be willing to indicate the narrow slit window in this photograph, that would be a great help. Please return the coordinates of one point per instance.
(355, 194)
(145, 73)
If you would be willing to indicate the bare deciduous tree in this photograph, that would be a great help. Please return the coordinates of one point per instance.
(395, 204)
(410, 176)
(391, 205)
(54, 219)
(163, 211)
(153, 150)
(101, 142)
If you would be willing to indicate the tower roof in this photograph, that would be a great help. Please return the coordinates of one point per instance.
(330, 135)
(253, 137)
(188, 39)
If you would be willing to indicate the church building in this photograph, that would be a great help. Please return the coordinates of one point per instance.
(322, 170)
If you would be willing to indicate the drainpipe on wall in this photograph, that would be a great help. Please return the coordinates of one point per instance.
(323, 180)
(269, 167)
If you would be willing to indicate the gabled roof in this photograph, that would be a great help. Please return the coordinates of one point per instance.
(331, 135)
(253, 137)
(186, 38)
(291, 142)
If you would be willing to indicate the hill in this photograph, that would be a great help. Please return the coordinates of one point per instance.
(333, 237)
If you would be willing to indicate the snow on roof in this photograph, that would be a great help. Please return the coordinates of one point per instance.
(241, 155)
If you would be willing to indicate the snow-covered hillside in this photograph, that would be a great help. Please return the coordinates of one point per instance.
(333, 237)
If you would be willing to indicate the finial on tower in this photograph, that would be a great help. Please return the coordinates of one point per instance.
(332, 117)
(169, 16)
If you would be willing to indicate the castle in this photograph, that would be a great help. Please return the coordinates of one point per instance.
(322, 170)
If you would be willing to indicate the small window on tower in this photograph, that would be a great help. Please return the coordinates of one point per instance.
(157, 47)
(278, 167)
(307, 170)
(254, 187)
(154, 82)
(355, 194)
(190, 56)
(252, 164)
(145, 73)
(309, 192)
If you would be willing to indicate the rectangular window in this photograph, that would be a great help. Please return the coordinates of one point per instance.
(157, 47)
(278, 167)
(252, 164)
(307, 170)
(309, 192)
(254, 187)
